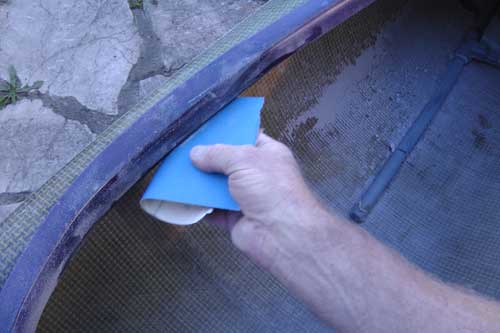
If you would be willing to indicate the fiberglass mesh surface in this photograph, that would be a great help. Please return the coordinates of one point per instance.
(443, 209)
(136, 274)
(341, 103)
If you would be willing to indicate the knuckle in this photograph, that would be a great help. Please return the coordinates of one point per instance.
(278, 146)
(209, 154)
(247, 151)
(216, 151)
(245, 154)
(217, 148)
(232, 157)
(283, 149)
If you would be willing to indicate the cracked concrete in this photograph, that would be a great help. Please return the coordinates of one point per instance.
(173, 33)
(9, 198)
(83, 49)
(185, 27)
(71, 109)
(97, 60)
(149, 63)
(5, 210)
(150, 84)
(35, 142)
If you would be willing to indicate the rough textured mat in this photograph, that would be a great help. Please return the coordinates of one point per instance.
(342, 103)
(443, 209)
(136, 274)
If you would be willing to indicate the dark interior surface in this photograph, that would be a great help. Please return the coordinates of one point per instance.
(343, 104)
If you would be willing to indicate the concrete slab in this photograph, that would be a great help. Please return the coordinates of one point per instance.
(185, 27)
(147, 86)
(5, 210)
(97, 60)
(35, 143)
(83, 49)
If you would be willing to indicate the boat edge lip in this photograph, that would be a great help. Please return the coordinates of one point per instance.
(35, 274)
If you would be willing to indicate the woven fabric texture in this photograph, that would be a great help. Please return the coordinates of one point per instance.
(342, 103)
(133, 273)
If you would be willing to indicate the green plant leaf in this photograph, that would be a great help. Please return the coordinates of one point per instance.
(12, 96)
(4, 100)
(24, 89)
(37, 85)
(14, 79)
(4, 85)
(135, 4)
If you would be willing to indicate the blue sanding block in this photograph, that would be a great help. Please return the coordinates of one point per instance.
(182, 194)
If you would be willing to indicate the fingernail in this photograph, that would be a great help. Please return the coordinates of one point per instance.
(197, 152)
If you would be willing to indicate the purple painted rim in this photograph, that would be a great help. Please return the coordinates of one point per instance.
(132, 154)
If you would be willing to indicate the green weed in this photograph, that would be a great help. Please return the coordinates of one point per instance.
(12, 90)
(135, 4)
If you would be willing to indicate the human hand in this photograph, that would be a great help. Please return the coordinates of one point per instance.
(266, 182)
(335, 267)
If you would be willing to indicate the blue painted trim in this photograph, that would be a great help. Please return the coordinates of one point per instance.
(130, 155)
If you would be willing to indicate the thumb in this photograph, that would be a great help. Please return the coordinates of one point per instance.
(219, 158)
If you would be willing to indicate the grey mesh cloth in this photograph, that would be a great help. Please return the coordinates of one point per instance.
(342, 104)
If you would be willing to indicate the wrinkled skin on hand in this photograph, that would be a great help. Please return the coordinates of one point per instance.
(348, 278)
(266, 181)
